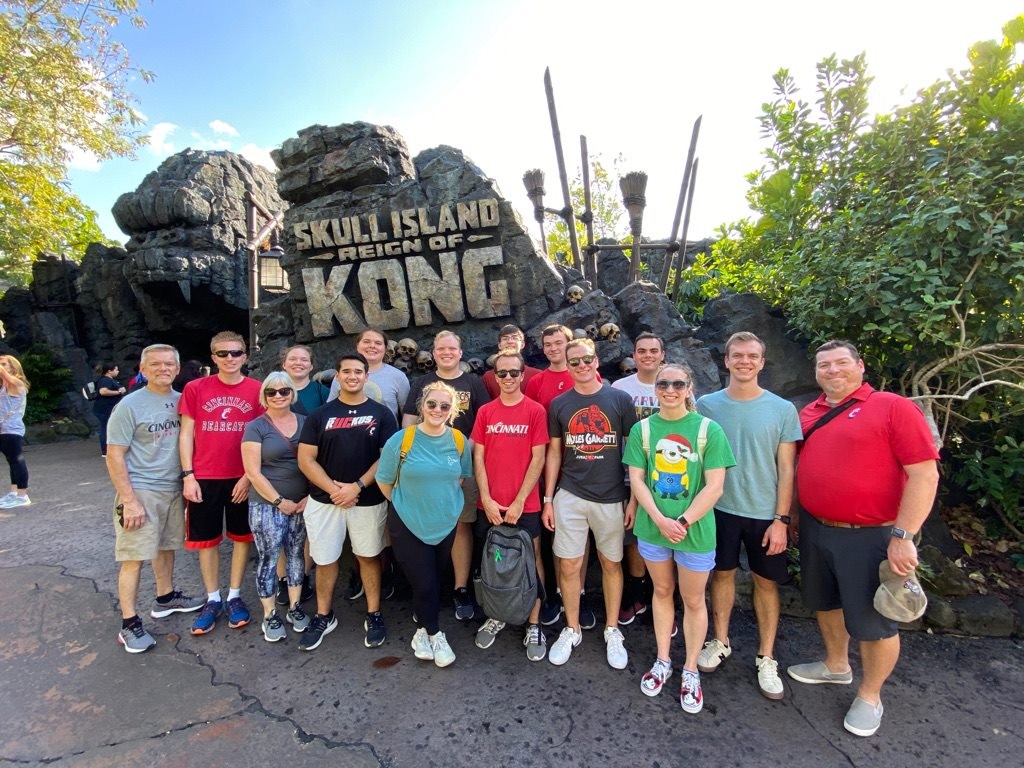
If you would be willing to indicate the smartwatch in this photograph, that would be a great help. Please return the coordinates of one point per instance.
(276, 502)
(185, 473)
(360, 484)
(784, 518)
(548, 499)
(899, 533)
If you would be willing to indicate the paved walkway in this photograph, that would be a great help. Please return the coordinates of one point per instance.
(72, 697)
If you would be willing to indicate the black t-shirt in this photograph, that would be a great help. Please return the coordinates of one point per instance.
(468, 387)
(349, 439)
(104, 404)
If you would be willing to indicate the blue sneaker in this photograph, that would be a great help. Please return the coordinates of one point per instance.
(207, 618)
(238, 613)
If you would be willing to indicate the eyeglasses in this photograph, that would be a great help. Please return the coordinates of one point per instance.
(586, 360)
(674, 384)
(515, 373)
(222, 353)
(282, 392)
(433, 405)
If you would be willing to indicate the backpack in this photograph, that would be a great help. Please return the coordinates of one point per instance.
(407, 438)
(507, 588)
(702, 437)
(89, 391)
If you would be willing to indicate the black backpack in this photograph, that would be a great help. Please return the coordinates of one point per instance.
(90, 392)
(507, 589)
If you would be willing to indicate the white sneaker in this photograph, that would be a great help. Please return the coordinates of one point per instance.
(713, 654)
(421, 645)
(443, 653)
(768, 678)
(17, 501)
(617, 657)
(561, 650)
(8, 497)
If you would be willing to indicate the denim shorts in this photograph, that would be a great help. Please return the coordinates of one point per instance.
(699, 562)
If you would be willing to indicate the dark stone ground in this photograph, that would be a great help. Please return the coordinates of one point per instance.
(72, 697)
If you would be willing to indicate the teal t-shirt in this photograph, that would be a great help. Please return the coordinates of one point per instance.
(755, 429)
(428, 497)
(675, 475)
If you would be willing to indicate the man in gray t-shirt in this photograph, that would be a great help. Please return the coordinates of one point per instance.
(149, 516)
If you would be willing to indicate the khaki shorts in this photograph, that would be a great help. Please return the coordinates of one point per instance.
(471, 492)
(575, 516)
(164, 527)
(327, 525)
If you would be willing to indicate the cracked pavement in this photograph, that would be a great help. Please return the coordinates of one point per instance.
(72, 697)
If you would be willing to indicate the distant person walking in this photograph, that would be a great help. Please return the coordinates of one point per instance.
(13, 397)
(108, 394)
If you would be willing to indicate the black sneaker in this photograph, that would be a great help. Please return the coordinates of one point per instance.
(320, 626)
(307, 590)
(465, 610)
(354, 590)
(282, 592)
(376, 632)
(551, 610)
(587, 618)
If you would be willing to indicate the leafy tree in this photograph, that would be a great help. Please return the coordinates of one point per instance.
(63, 89)
(903, 232)
(605, 203)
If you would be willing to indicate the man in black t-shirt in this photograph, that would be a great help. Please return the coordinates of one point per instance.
(338, 452)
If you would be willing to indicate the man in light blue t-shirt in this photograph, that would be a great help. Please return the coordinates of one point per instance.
(763, 430)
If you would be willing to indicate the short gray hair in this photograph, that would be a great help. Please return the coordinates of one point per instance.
(159, 348)
(276, 380)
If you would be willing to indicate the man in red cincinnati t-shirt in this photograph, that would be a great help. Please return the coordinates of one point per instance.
(214, 411)
(510, 437)
(866, 482)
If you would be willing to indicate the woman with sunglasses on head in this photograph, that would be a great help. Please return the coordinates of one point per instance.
(425, 490)
(677, 461)
(13, 398)
(277, 498)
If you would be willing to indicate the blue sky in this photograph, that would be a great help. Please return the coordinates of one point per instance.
(247, 75)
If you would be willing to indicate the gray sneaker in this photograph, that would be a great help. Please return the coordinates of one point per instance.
(135, 638)
(179, 603)
(816, 673)
(863, 718)
(488, 632)
(273, 628)
(298, 618)
(535, 642)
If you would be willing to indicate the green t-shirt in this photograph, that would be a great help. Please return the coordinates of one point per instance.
(675, 476)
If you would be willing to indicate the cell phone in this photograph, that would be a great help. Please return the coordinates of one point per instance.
(119, 509)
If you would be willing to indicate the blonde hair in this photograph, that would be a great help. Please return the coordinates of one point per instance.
(691, 398)
(19, 372)
(440, 386)
(224, 336)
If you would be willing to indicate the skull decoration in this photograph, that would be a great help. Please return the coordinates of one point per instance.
(403, 365)
(627, 367)
(477, 366)
(592, 332)
(610, 332)
(490, 361)
(407, 349)
(579, 333)
(391, 352)
(574, 294)
(464, 367)
(424, 362)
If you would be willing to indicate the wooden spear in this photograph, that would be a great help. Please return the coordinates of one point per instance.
(670, 257)
(567, 214)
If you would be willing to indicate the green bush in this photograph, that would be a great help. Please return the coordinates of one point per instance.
(48, 383)
(994, 474)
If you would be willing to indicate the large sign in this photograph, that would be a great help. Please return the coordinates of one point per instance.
(395, 268)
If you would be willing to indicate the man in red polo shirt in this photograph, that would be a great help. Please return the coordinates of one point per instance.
(866, 481)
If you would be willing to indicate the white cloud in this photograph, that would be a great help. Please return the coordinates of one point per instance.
(158, 139)
(258, 155)
(219, 126)
(83, 160)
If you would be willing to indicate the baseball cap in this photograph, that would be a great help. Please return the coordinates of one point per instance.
(899, 598)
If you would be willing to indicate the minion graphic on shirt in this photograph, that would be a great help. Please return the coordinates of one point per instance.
(670, 472)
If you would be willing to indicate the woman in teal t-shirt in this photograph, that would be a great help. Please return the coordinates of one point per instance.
(425, 490)
(676, 480)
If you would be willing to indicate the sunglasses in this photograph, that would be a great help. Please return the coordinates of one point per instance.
(515, 373)
(282, 392)
(433, 405)
(222, 353)
(586, 360)
(674, 384)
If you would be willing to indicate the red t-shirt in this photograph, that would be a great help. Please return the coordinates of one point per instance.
(491, 381)
(221, 412)
(851, 470)
(508, 435)
(546, 385)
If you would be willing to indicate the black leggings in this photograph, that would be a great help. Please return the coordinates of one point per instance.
(423, 565)
(10, 446)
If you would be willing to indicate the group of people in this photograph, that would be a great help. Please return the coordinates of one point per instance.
(641, 470)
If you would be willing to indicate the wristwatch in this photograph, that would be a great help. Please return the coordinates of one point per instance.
(360, 483)
(185, 473)
(784, 518)
(548, 499)
(899, 533)
(276, 502)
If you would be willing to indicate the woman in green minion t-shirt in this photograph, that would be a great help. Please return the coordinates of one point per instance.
(676, 473)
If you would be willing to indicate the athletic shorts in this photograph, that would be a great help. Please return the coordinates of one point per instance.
(206, 521)
(699, 562)
(327, 525)
(164, 527)
(574, 517)
(471, 494)
(733, 530)
(839, 569)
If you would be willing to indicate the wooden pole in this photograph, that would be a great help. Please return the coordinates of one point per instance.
(686, 229)
(591, 262)
(570, 219)
(687, 170)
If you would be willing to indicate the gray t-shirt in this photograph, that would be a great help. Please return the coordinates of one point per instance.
(593, 430)
(754, 428)
(278, 458)
(393, 386)
(148, 424)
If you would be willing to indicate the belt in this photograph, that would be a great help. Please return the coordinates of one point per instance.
(838, 524)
